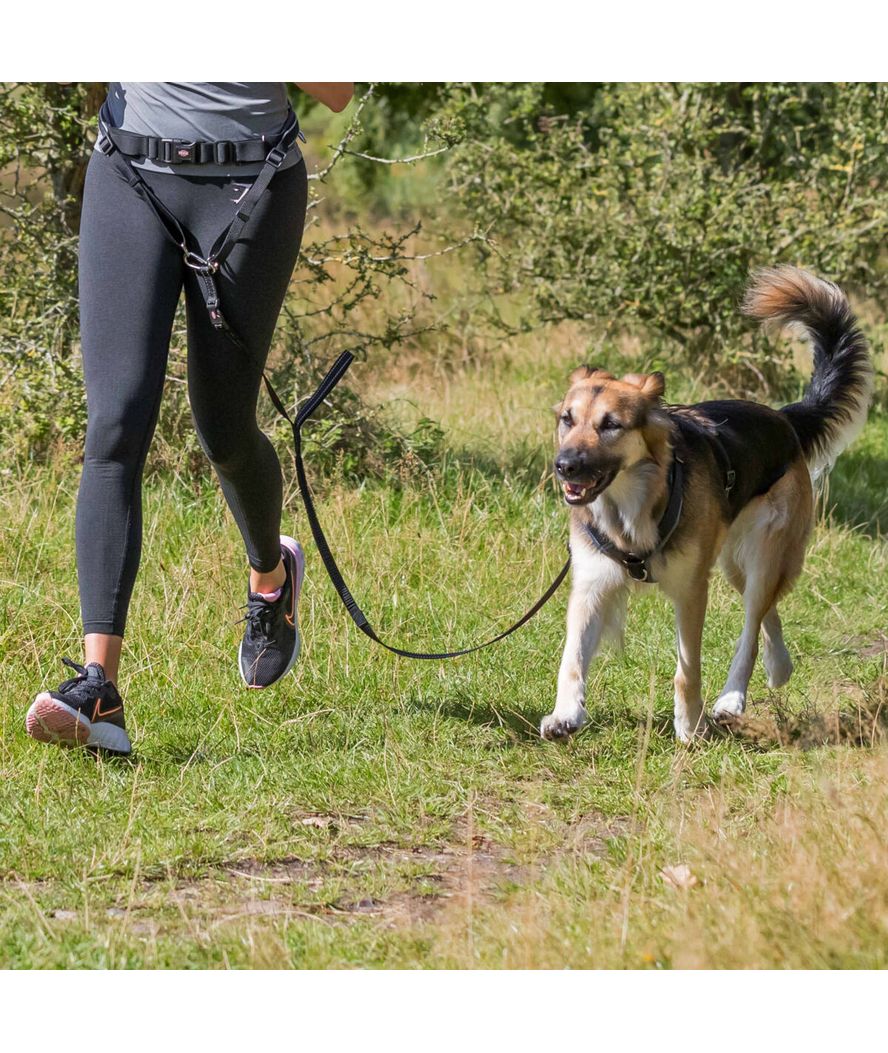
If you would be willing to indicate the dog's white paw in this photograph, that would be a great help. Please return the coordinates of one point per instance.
(729, 706)
(688, 730)
(556, 726)
(778, 666)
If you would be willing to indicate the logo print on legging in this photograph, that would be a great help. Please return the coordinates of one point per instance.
(240, 190)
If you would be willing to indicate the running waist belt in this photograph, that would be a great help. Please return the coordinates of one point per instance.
(116, 145)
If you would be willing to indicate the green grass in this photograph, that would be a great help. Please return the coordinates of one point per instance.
(370, 811)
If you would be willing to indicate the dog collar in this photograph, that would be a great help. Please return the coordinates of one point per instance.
(639, 567)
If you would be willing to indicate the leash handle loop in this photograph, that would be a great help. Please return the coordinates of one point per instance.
(334, 374)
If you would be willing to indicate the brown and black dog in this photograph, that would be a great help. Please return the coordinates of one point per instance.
(658, 493)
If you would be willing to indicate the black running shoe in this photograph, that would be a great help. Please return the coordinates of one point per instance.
(85, 711)
(271, 640)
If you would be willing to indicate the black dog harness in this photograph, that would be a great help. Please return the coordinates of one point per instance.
(117, 145)
(639, 567)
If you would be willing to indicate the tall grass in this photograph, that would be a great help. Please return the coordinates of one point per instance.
(371, 811)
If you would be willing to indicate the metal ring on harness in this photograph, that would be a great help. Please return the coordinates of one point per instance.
(197, 263)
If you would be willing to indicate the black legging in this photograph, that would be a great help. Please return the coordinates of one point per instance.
(131, 277)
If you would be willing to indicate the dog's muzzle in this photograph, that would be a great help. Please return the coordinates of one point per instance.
(581, 482)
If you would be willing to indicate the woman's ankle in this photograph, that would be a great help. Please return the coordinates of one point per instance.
(270, 582)
(105, 649)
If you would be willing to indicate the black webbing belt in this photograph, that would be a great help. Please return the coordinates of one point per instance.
(115, 144)
(190, 152)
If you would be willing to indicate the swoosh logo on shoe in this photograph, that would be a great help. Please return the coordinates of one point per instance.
(99, 713)
(293, 575)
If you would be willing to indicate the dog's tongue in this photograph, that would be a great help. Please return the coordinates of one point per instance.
(574, 490)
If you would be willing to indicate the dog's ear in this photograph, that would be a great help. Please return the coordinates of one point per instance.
(585, 372)
(652, 385)
(657, 435)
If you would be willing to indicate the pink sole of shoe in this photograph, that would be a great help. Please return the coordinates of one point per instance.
(49, 722)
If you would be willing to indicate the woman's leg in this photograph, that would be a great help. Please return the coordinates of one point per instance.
(223, 379)
(130, 280)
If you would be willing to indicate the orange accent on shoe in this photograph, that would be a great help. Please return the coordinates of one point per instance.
(293, 574)
(99, 712)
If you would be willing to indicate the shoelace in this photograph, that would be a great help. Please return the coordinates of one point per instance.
(82, 674)
(259, 615)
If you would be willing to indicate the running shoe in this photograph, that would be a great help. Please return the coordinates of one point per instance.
(271, 640)
(84, 711)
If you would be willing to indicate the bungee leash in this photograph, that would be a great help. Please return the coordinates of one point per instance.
(335, 374)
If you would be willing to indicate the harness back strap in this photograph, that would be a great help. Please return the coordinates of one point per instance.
(715, 444)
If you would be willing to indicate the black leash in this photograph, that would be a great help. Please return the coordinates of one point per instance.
(116, 145)
(336, 373)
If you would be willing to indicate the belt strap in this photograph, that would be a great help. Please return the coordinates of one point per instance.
(191, 152)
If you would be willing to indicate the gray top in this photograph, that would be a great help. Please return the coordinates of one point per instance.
(206, 111)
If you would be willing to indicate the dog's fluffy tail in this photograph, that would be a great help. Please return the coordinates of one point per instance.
(833, 409)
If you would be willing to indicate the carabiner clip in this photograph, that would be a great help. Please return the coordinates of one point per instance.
(198, 263)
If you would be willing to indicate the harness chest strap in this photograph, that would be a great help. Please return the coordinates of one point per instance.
(639, 567)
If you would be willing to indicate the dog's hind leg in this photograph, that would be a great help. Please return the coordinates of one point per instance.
(596, 607)
(775, 657)
(767, 543)
(758, 600)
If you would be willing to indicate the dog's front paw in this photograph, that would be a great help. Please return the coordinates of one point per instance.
(729, 706)
(555, 726)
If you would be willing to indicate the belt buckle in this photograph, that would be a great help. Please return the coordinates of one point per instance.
(177, 151)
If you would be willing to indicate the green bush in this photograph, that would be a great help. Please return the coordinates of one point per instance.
(639, 208)
(644, 206)
(43, 155)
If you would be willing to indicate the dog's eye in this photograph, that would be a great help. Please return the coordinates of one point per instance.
(566, 418)
(610, 423)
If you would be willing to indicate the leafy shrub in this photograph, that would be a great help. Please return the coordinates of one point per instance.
(645, 205)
